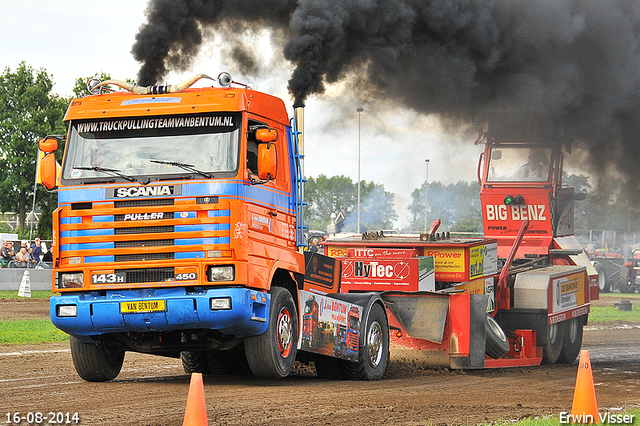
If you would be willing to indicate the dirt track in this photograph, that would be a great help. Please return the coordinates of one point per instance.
(153, 391)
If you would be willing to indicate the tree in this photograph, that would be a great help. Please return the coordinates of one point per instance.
(80, 88)
(338, 194)
(457, 205)
(30, 112)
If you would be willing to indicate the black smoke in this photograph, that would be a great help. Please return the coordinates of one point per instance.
(579, 60)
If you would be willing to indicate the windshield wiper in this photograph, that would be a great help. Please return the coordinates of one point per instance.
(187, 167)
(114, 172)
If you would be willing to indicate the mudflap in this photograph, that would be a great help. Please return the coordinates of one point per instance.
(421, 315)
(446, 330)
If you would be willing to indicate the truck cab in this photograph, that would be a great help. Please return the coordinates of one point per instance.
(520, 174)
(176, 222)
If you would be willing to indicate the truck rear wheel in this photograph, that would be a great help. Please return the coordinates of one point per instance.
(272, 354)
(194, 362)
(497, 343)
(572, 340)
(550, 337)
(95, 362)
(373, 357)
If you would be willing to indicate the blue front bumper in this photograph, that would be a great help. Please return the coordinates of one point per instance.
(97, 314)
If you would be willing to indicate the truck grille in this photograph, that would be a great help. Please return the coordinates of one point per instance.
(144, 230)
(147, 275)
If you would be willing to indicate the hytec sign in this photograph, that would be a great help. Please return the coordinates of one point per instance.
(379, 274)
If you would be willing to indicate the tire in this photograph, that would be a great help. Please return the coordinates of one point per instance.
(373, 357)
(94, 362)
(603, 282)
(497, 343)
(272, 354)
(194, 362)
(551, 338)
(329, 368)
(572, 340)
(229, 362)
(625, 285)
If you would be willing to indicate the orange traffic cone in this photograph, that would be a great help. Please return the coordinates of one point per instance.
(584, 408)
(196, 413)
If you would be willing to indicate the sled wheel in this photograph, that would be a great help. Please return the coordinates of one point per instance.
(194, 362)
(497, 343)
(373, 357)
(96, 362)
(572, 340)
(272, 354)
(551, 337)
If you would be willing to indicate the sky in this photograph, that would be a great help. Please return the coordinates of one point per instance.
(79, 38)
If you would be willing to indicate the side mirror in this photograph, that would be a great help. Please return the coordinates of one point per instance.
(48, 144)
(267, 161)
(267, 135)
(47, 171)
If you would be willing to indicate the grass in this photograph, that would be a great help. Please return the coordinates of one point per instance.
(601, 314)
(555, 420)
(18, 332)
(13, 294)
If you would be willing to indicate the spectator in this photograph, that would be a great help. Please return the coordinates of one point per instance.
(36, 250)
(12, 253)
(23, 258)
(4, 254)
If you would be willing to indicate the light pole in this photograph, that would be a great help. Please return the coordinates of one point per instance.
(426, 183)
(359, 110)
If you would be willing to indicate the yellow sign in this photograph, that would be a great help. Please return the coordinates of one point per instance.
(336, 251)
(449, 263)
(476, 262)
(142, 306)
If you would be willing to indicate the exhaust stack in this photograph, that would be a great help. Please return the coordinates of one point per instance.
(298, 116)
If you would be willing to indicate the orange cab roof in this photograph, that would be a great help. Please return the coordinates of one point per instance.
(189, 101)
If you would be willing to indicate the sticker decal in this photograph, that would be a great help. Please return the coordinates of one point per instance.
(240, 230)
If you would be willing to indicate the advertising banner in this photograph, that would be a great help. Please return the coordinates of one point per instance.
(329, 326)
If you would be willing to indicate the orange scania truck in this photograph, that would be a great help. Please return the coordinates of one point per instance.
(179, 233)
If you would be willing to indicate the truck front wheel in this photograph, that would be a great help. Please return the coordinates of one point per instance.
(272, 354)
(373, 357)
(96, 362)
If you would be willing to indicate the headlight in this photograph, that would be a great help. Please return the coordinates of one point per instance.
(221, 273)
(70, 280)
(220, 304)
(67, 311)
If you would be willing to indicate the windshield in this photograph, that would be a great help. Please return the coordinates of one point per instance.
(519, 164)
(156, 147)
